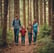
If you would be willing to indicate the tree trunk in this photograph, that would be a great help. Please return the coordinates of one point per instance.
(0, 13)
(41, 13)
(4, 32)
(37, 10)
(49, 12)
(52, 22)
(34, 8)
(44, 11)
(16, 8)
(9, 15)
(24, 13)
(28, 11)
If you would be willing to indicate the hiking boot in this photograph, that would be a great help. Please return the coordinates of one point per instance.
(16, 44)
(34, 43)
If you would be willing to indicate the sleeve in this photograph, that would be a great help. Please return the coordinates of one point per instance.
(13, 23)
(25, 30)
(20, 30)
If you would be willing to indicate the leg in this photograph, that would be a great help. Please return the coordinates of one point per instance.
(29, 38)
(15, 35)
(24, 40)
(35, 36)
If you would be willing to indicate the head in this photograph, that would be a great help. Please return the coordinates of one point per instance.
(30, 23)
(34, 21)
(23, 26)
(17, 17)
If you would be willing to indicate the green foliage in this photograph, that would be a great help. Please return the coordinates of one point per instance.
(44, 30)
(0, 33)
(45, 45)
(47, 48)
(9, 36)
(1, 42)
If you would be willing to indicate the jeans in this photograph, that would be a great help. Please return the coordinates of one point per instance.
(23, 39)
(34, 36)
(30, 37)
(16, 35)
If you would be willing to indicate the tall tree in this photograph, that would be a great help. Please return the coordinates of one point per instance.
(0, 13)
(24, 13)
(28, 11)
(36, 6)
(49, 11)
(52, 22)
(4, 32)
(41, 13)
(9, 14)
(44, 11)
(16, 8)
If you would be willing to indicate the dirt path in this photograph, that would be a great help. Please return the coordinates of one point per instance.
(20, 49)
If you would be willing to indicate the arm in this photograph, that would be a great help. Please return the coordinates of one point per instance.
(19, 23)
(13, 22)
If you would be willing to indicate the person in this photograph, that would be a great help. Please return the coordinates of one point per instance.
(35, 30)
(30, 33)
(16, 24)
(23, 32)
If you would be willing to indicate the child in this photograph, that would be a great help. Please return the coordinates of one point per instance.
(23, 31)
(30, 33)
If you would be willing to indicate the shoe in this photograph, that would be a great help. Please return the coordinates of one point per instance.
(34, 43)
(16, 44)
(29, 43)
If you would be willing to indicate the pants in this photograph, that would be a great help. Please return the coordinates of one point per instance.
(23, 39)
(16, 35)
(30, 37)
(34, 36)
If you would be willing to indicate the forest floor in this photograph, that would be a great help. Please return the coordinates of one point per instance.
(20, 49)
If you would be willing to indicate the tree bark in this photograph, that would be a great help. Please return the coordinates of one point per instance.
(24, 13)
(4, 32)
(9, 15)
(49, 12)
(28, 12)
(0, 13)
(41, 13)
(44, 11)
(16, 8)
(34, 8)
(37, 10)
(52, 22)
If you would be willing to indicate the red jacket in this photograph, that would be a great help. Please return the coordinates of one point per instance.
(23, 31)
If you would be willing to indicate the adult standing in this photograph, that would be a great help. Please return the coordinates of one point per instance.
(16, 24)
(35, 30)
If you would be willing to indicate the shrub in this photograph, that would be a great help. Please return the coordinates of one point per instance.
(9, 36)
(44, 30)
(45, 45)
(48, 48)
